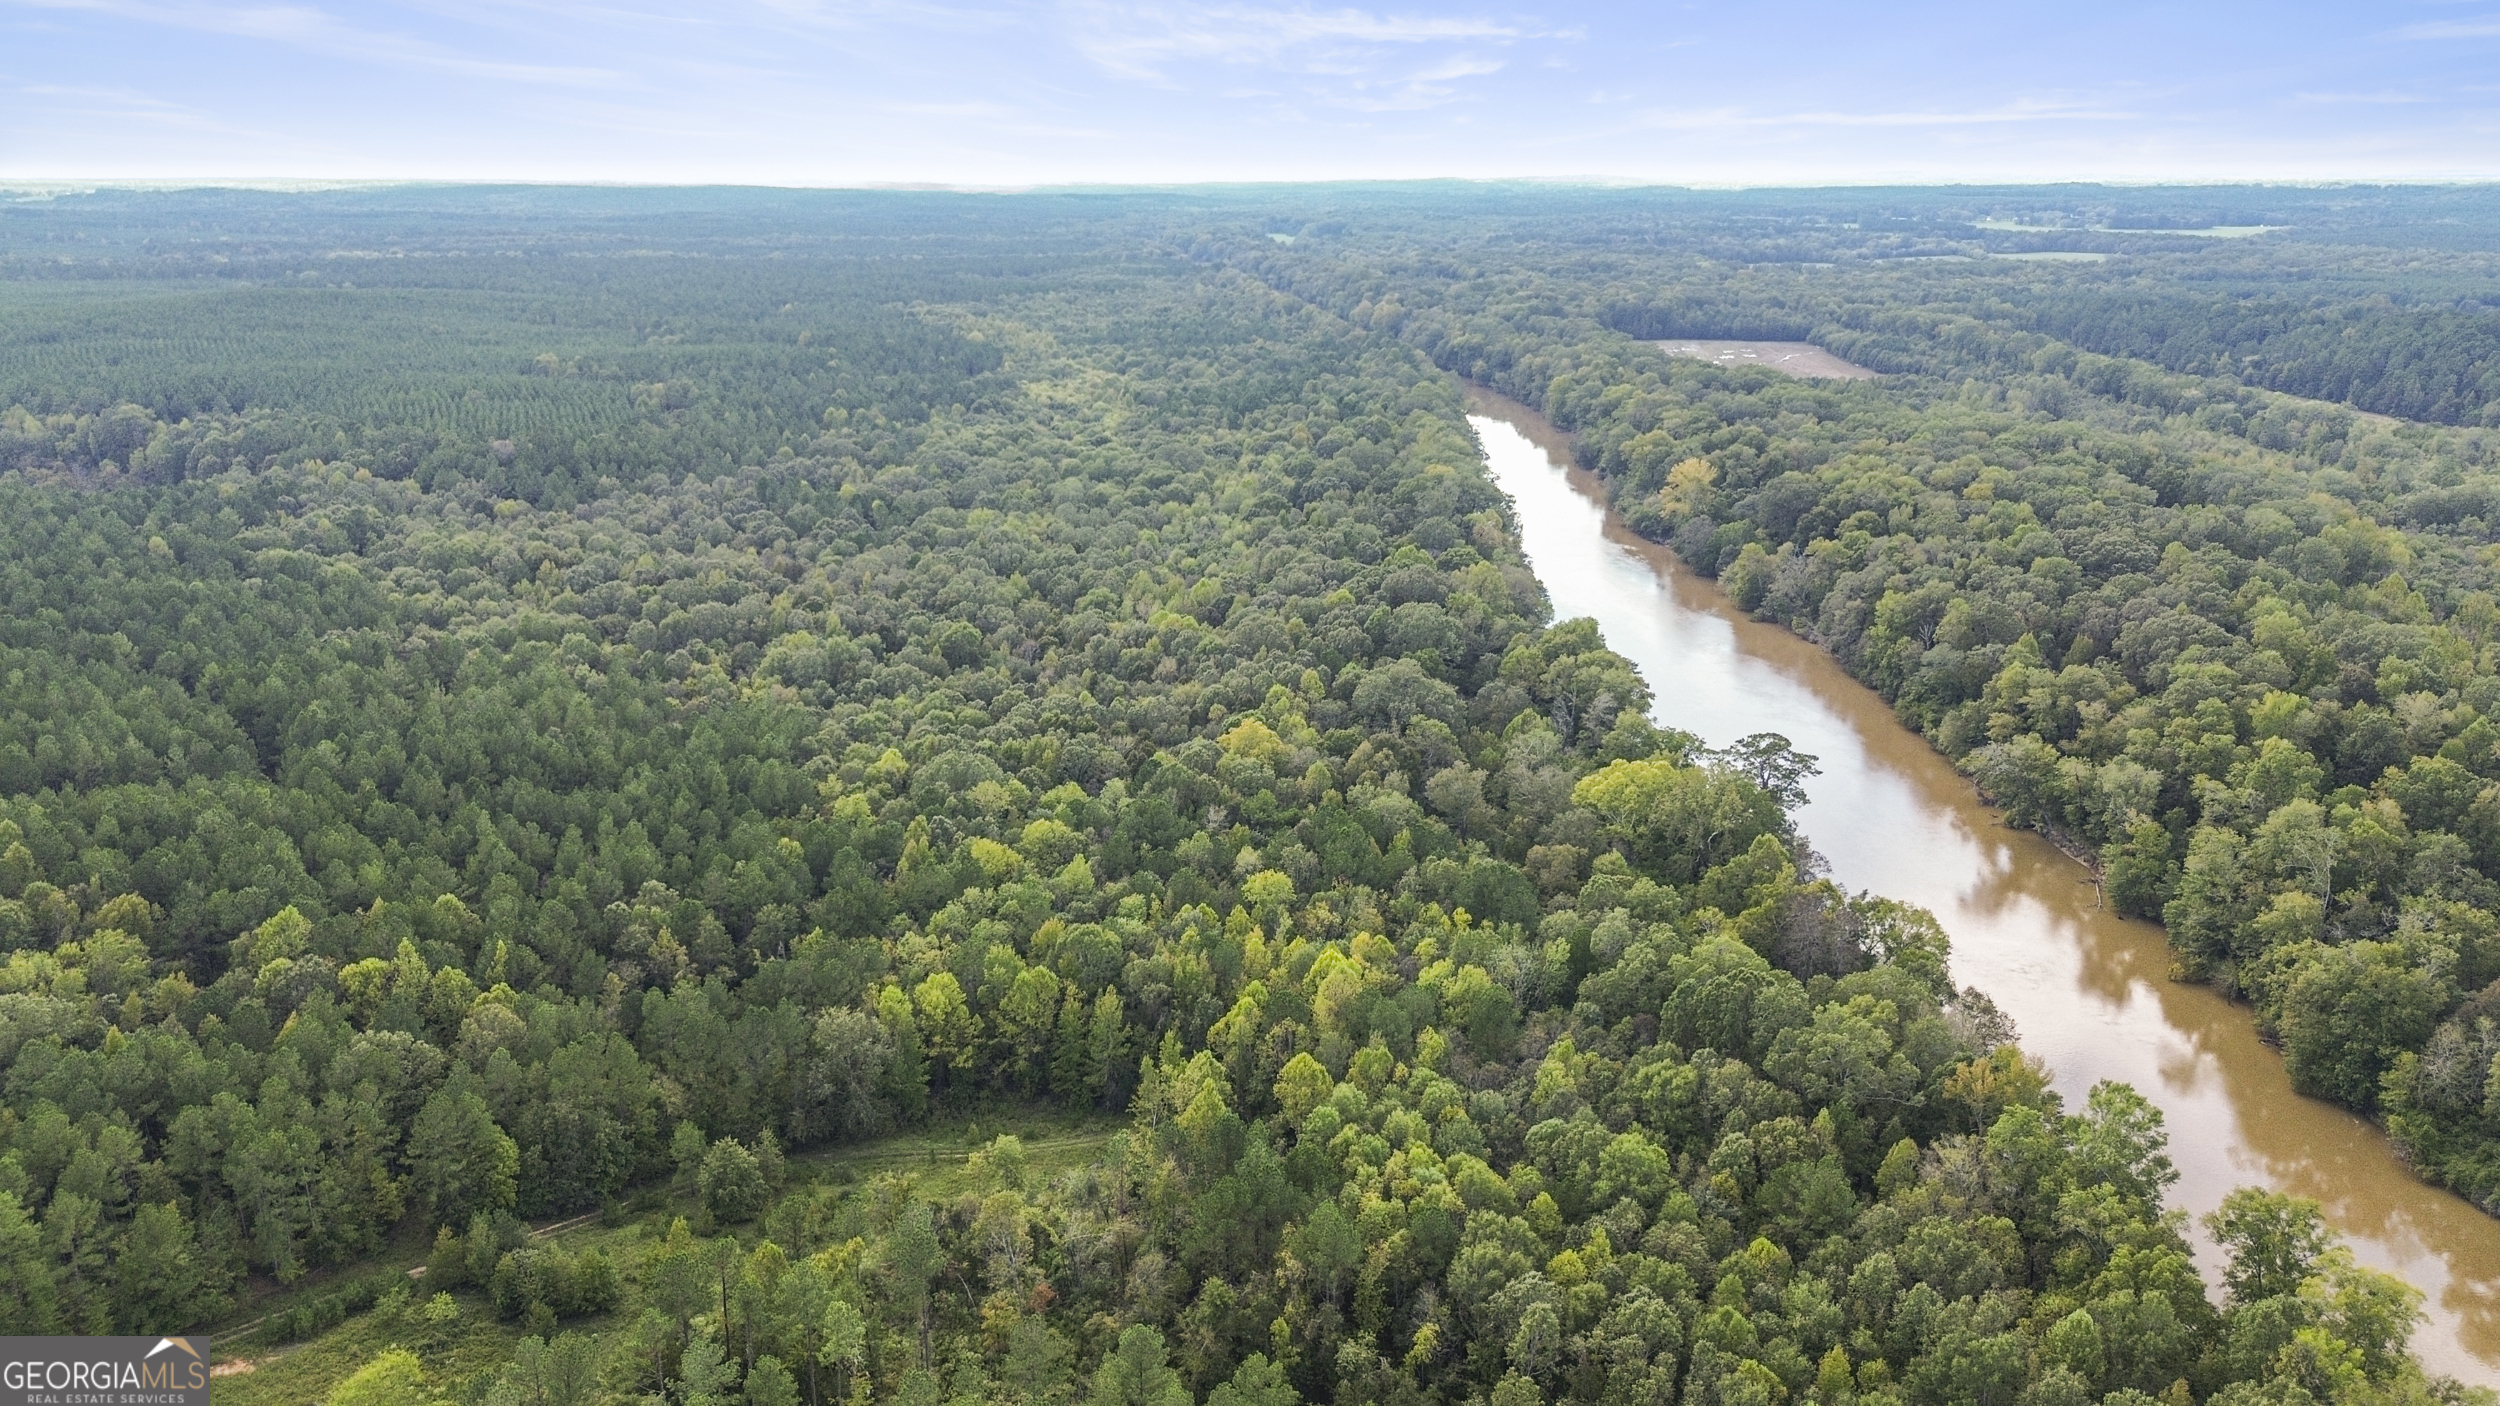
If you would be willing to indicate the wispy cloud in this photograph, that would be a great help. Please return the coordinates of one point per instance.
(966, 109)
(2032, 110)
(122, 103)
(2452, 29)
(1425, 88)
(860, 14)
(1355, 60)
(1141, 40)
(317, 31)
(1458, 68)
(1012, 91)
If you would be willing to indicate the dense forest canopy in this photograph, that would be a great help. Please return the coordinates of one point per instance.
(2237, 643)
(578, 707)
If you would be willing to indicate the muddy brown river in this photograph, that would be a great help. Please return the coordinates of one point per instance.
(2087, 988)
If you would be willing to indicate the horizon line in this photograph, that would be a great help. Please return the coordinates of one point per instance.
(74, 185)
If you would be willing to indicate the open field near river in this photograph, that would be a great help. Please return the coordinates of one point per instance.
(1803, 359)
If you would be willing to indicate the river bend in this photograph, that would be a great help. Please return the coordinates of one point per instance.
(2087, 988)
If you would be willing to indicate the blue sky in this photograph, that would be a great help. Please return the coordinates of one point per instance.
(1014, 92)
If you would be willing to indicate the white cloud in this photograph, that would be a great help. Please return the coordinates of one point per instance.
(1141, 40)
(1463, 67)
(2028, 110)
(2452, 29)
(1014, 91)
(118, 103)
(316, 31)
(1429, 88)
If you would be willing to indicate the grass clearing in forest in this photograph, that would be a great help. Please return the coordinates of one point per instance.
(1801, 359)
(940, 1157)
(455, 1347)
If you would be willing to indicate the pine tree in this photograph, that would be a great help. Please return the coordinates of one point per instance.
(1071, 1054)
(1106, 1054)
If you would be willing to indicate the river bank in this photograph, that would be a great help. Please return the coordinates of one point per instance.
(2088, 989)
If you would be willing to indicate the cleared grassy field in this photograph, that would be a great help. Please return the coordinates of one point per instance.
(468, 1340)
(1803, 359)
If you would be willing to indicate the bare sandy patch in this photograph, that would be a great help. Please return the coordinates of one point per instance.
(1803, 359)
